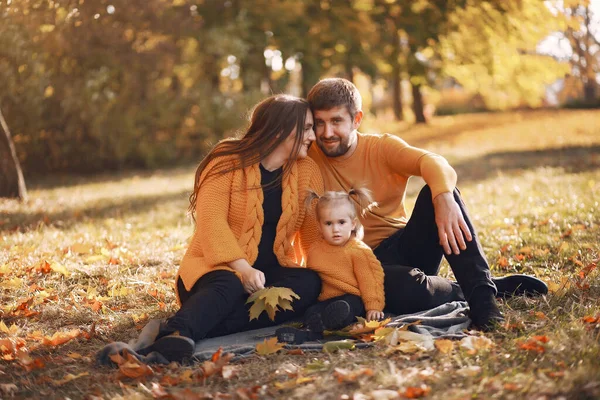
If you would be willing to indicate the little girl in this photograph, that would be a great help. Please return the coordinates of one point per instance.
(352, 278)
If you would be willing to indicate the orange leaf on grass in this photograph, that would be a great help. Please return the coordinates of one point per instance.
(535, 344)
(269, 346)
(132, 367)
(28, 362)
(61, 337)
(503, 262)
(412, 392)
(215, 366)
(444, 346)
(344, 375)
(588, 319)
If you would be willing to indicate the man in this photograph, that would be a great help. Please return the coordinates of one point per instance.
(409, 249)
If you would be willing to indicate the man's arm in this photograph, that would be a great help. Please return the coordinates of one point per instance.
(441, 179)
(452, 228)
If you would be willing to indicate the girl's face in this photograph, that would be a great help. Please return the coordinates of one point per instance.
(336, 224)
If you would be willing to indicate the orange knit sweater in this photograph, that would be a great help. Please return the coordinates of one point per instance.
(348, 269)
(383, 164)
(229, 218)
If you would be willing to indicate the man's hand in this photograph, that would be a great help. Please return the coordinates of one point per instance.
(374, 315)
(252, 279)
(452, 228)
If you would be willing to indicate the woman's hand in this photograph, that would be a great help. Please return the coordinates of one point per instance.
(252, 279)
(374, 315)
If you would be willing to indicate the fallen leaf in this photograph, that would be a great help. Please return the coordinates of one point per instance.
(215, 366)
(133, 368)
(364, 326)
(61, 269)
(344, 375)
(588, 319)
(81, 248)
(444, 346)
(295, 352)
(28, 362)
(293, 383)
(416, 392)
(333, 346)
(535, 344)
(69, 378)
(60, 337)
(229, 371)
(158, 392)
(9, 389)
(470, 371)
(14, 283)
(74, 356)
(269, 346)
(473, 344)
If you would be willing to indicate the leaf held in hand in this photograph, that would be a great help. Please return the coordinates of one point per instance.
(271, 300)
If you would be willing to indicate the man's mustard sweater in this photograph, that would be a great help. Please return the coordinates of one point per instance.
(383, 164)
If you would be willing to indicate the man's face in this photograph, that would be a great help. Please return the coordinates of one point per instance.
(336, 130)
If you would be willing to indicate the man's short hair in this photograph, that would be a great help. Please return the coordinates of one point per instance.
(335, 92)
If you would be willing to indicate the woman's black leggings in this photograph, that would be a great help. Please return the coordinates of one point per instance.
(216, 304)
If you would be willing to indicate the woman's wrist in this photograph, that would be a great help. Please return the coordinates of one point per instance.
(239, 265)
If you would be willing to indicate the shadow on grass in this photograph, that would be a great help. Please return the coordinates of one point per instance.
(573, 159)
(70, 180)
(99, 209)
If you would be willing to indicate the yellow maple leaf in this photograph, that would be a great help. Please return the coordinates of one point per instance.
(257, 308)
(271, 300)
(269, 346)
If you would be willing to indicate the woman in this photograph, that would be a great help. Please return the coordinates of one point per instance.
(251, 228)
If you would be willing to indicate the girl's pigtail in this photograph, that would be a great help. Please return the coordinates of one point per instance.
(310, 196)
(364, 199)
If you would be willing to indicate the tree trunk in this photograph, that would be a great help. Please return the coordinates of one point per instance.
(418, 104)
(397, 79)
(12, 183)
(397, 93)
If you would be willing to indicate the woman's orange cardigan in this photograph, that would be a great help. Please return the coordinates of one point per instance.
(229, 219)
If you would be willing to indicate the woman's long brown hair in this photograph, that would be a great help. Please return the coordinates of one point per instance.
(272, 121)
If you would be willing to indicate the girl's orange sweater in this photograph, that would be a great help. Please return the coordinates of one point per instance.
(229, 219)
(348, 269)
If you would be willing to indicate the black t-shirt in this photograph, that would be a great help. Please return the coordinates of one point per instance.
(272, 211)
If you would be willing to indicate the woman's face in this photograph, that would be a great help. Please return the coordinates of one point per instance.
(308, 136)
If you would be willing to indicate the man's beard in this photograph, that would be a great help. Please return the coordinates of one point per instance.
(341, 149)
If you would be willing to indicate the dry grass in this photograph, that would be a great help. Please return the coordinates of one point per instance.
(532, 186)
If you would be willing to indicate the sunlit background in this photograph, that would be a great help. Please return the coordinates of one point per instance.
(91, 85)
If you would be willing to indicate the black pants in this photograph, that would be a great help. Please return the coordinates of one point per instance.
(411, 260)
(216, 304)
(357, 307)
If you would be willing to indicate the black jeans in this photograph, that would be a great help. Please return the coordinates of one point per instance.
(216, 304)
(411, 260)
(357, 307)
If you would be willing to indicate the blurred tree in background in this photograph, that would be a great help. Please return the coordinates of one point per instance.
(88, 85)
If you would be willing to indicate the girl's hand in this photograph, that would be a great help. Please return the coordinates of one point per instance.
(252, 279)
(374, 315)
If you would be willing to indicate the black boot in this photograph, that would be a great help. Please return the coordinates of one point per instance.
(519, 285)
(172, 347)
(337, 315)
(484, 311)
